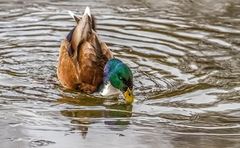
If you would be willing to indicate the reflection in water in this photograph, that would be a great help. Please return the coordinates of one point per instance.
(112, 116)
(184, 56)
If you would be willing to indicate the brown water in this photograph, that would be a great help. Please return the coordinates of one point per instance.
(186, 63)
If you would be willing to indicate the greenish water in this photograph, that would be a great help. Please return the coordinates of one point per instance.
(186, 63)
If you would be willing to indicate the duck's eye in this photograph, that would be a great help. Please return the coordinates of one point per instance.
(120, 78)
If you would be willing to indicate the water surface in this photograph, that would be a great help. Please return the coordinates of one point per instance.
(186, 63)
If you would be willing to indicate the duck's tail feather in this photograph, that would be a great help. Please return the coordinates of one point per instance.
(87, 11)
(81, 32)
(76, 18)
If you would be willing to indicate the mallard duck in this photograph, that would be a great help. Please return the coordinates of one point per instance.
(86, 63)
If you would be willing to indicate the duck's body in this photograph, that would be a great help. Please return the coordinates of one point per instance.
(85, 72)
(83, 57)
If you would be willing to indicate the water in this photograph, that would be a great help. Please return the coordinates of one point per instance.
(184, 55)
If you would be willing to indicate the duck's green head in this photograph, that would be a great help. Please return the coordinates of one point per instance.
(120, 77)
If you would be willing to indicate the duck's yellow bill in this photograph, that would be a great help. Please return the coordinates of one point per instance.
(128, 95)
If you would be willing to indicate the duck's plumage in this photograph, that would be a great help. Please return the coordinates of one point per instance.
(82, 57)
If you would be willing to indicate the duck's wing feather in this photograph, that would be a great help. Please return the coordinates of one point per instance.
(66, 70)
(92, 59)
